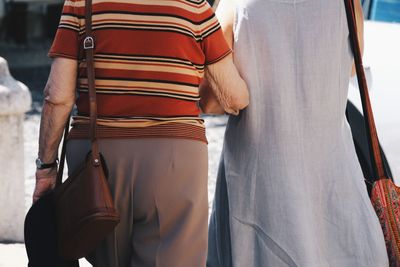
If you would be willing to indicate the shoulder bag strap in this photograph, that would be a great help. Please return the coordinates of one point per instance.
(88, 46)
(372, 136)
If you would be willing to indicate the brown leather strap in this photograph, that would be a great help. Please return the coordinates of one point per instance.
(88, 46)
(372, 136)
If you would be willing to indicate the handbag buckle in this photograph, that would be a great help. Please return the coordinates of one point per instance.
(88, 43)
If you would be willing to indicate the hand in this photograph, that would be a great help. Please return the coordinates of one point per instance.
(45, 182)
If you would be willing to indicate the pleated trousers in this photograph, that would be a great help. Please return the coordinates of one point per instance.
(159, 186)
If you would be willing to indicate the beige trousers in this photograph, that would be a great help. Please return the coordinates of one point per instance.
(160, 190)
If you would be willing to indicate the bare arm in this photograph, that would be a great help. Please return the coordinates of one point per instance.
(228, 87)
(226, 15)
(59, 98)
(209, 103)
(360, 29)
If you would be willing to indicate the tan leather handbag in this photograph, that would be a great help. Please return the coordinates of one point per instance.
(385, 195)
(84, 208)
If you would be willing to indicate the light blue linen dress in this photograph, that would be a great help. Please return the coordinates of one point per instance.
(290, 191)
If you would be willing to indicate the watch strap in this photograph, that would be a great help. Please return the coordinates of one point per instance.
(41, 165)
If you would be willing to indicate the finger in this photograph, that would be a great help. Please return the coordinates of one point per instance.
(36, 196)
(43, 183)
(42, 187)
(34, 199)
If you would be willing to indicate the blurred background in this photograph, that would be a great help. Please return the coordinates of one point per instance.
(27, 28)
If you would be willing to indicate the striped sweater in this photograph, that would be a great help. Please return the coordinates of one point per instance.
(150, 57)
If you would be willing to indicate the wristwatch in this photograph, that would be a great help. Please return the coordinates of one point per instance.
(41, 165)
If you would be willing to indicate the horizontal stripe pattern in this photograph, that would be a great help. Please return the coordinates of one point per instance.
(154, 23)
(138, 122)
(170, 130)
(190, 6)
(150, 58)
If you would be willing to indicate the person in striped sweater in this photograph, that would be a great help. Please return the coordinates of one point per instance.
(150, 58)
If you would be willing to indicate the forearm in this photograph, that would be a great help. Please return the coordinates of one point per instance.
(209, 103)
(51, 129)
(59, 98)
(229, 92)
(52, 124)
(229, 88)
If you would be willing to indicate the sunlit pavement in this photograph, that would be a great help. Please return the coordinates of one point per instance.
(14, 255)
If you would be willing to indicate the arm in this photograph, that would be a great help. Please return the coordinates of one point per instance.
(226, 16)
(224, 90)
(59, 98)
(360, 29)
(228, 87)
(209, 103)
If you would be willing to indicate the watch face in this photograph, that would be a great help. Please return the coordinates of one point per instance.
(38, 163)
(41, 165)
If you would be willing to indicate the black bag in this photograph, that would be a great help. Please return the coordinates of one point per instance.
(41, 235)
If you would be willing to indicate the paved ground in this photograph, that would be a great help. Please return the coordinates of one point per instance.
(15, 256)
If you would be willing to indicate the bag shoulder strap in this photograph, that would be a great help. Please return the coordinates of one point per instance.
(88, 46)
(372, 135)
